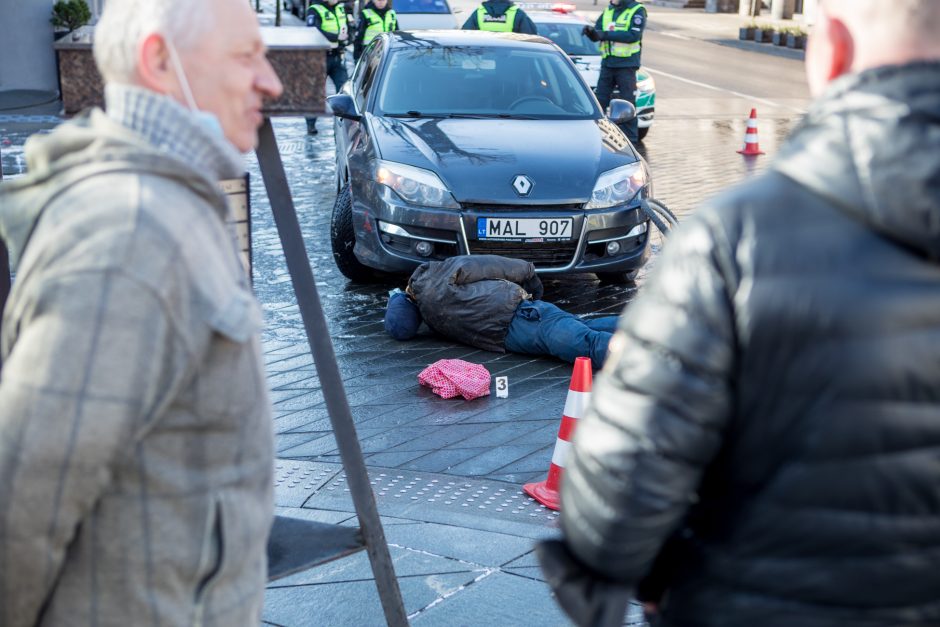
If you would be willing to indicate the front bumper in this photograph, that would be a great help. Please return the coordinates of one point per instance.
(388, 232)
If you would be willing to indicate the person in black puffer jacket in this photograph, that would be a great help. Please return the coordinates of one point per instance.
(763, 444)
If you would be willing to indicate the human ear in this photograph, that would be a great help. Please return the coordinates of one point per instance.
(842, 55)
(153, 65)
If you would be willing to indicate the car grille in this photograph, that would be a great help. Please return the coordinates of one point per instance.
(484, 208)
(542, 254)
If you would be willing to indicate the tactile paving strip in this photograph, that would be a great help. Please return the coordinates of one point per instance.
(294, 482)
(451, 492)
(404, 493)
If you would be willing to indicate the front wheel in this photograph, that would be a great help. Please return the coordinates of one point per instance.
(642, 132)
(343, 240)
(619, 278)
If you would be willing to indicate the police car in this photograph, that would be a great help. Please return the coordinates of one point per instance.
(467, 142)
(558, 22)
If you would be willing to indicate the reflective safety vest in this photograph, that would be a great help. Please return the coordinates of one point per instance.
(377, 25)
(621, 24)
(501, 24)
(333, 22)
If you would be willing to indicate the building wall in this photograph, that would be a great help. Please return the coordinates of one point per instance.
(27, 60)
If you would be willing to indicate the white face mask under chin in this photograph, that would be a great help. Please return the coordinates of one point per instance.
(206, 120)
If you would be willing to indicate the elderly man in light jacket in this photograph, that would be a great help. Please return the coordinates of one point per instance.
(135, 437)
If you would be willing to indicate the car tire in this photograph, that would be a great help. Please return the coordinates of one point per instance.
(343, 240)
(643, 132)
(619, 278)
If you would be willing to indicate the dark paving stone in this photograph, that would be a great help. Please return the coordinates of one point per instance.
(507, 433)
(285, 442)
(534, 462)
(408, 562)
(442, 460)
(499, 599)
(492, 460)
(527, 560)
(395, 415)
(294, 380)
(354, 603)
(304, 421)
(450, 436)
(392, 460)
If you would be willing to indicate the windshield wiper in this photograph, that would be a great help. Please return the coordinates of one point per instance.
(413, 114)
(494, 116)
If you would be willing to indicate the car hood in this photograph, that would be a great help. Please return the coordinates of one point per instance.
(478, 158)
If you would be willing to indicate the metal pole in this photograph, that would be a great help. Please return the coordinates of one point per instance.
(318, 336)
(5, 283)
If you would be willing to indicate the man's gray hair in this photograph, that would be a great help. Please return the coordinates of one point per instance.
(124, 24)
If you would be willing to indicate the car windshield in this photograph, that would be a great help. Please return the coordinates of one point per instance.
(421, 6)
(568, 37)
(476, 81)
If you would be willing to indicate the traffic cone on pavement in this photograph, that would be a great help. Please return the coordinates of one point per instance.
(751, 142)
(579, 393)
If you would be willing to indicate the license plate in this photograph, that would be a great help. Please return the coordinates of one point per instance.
(525, 229)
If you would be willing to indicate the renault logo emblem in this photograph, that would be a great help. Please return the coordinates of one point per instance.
(522, 184)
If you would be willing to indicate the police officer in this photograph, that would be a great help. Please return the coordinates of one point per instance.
(376, 18)
(330, 17)
(500, 16)
(620, 31)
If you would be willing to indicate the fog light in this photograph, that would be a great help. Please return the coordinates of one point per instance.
(424, 248)
(613, 248)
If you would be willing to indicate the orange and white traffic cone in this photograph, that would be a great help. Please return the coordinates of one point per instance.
(751, 142)
(579, 393)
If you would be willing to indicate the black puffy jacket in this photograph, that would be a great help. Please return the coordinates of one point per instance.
(772, 405)
(472, 298)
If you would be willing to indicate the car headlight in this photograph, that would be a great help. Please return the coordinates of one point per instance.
(646, 85)
(619, 186)
(414, 185)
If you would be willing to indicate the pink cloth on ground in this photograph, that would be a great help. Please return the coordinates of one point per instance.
(455, 377)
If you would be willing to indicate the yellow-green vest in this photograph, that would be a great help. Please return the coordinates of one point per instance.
(377, 26)
(496, 26)
(621, 24)
(333, 22)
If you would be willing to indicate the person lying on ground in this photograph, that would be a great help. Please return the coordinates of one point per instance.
(494, 303)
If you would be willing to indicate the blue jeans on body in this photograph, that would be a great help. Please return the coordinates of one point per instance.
(540, 328)
(624, 79)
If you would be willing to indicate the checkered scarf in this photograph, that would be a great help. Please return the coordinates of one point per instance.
(173, 129)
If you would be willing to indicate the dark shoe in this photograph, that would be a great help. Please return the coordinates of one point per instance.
(312, 131)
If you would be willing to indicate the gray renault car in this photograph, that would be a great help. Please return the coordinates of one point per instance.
(469, 142)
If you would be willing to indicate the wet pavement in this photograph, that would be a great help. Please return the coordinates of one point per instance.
(447, 474)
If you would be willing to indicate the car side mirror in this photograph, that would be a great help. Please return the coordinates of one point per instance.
(621, 111)
(343, 105)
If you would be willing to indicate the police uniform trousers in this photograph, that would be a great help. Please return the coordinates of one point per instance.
(623, 79)
(336, 70)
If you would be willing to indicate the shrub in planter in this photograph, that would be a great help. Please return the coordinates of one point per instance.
(780, 37)
(763, 34)
(746, 32)
(67, 15)
(796, 39)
